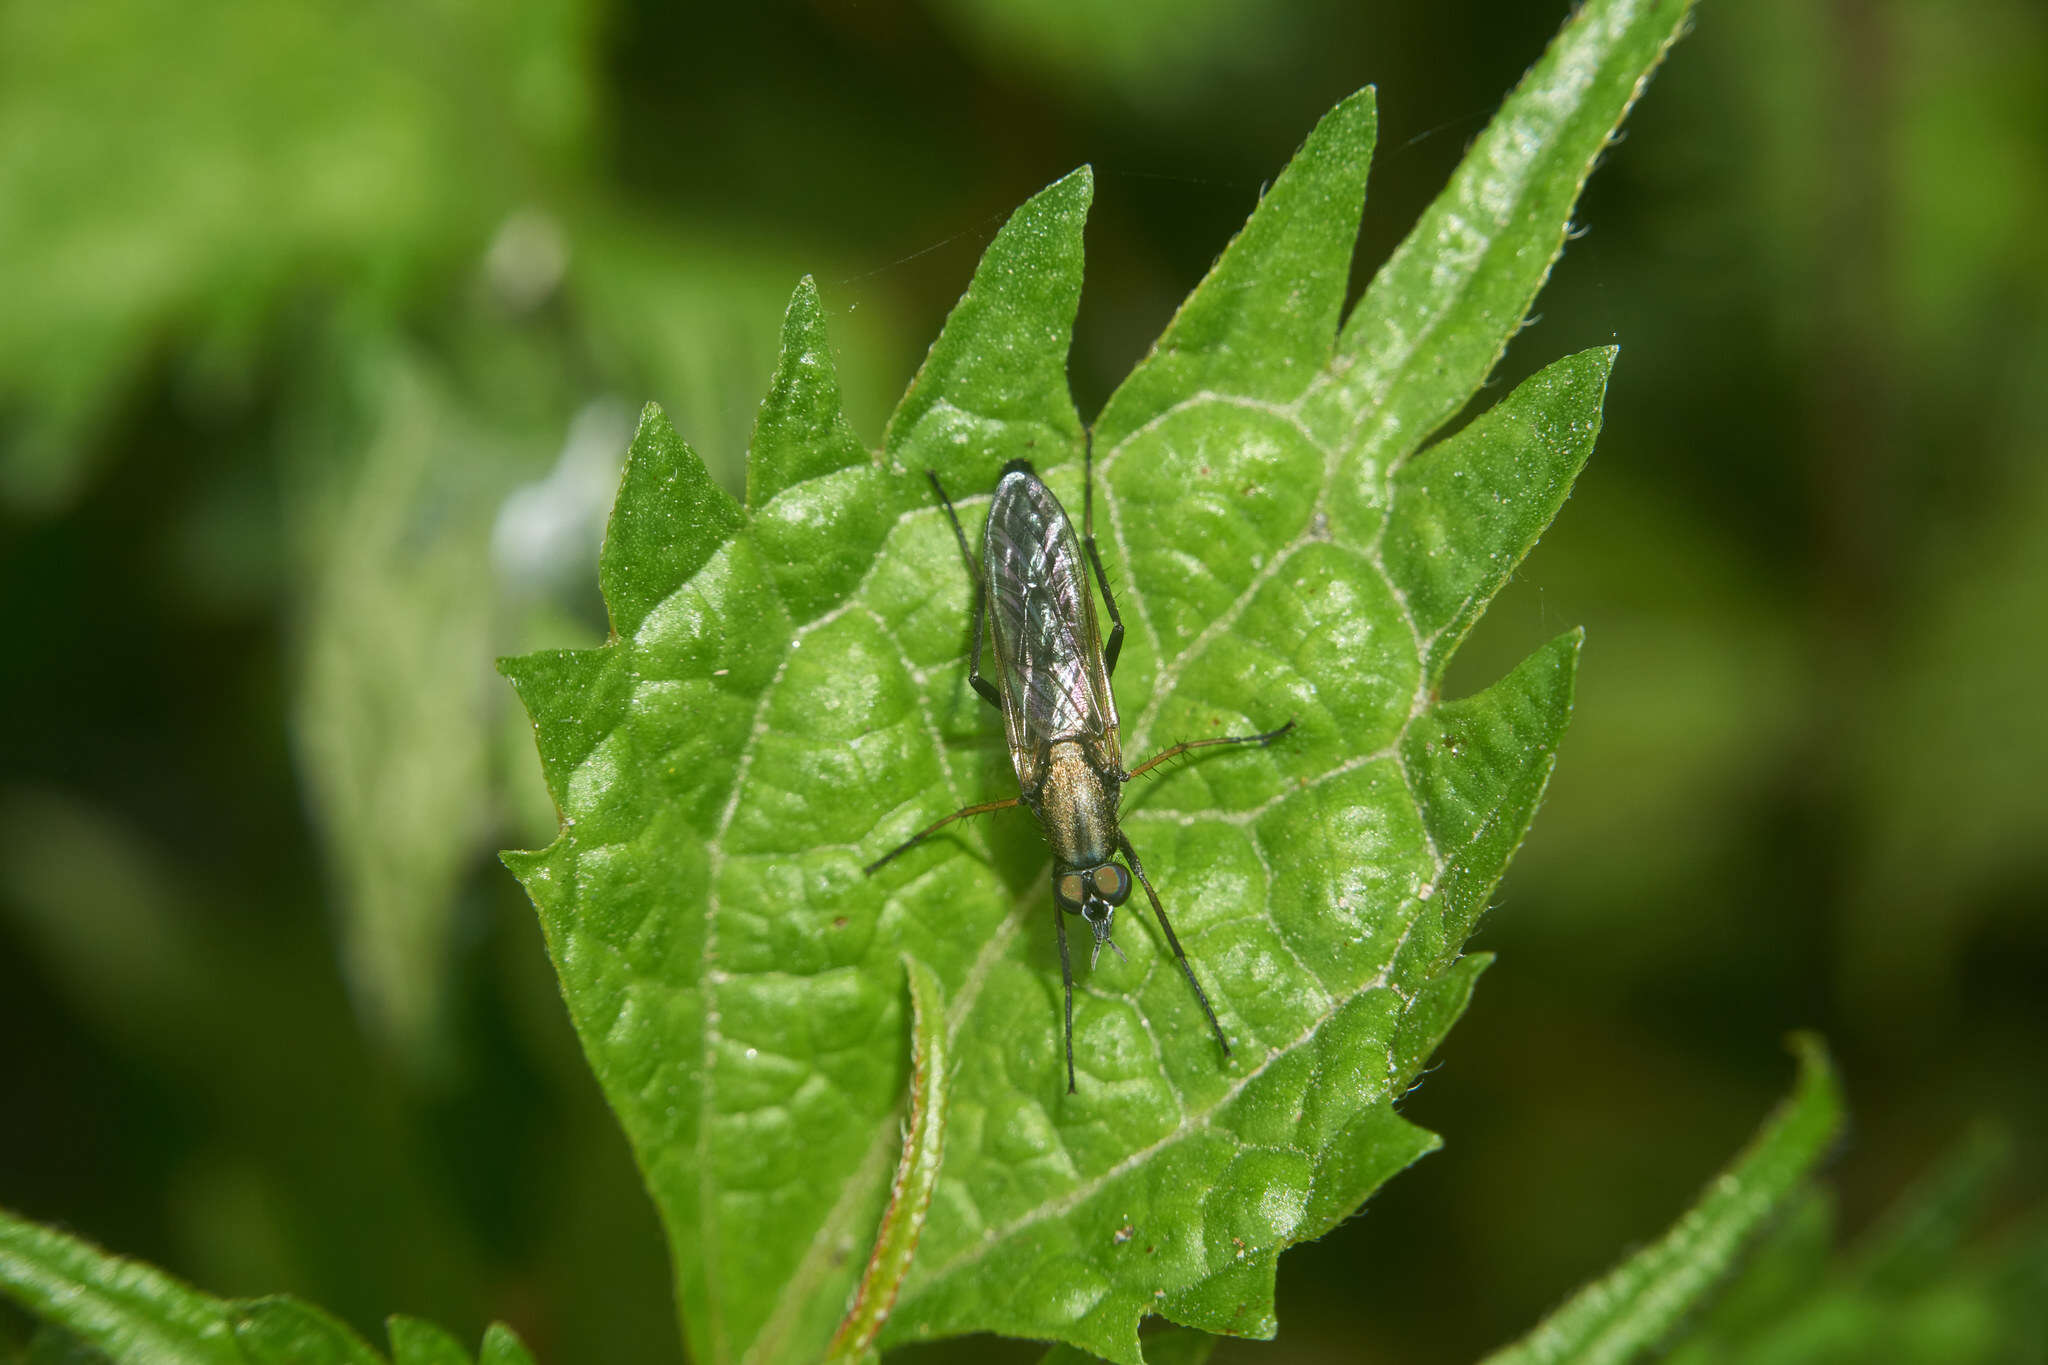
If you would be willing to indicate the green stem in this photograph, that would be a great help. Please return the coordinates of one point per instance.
(917, 1173)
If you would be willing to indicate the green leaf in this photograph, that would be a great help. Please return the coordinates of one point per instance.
(124, 1308)
(282, 1329)
(1634, 1307)
(1260, 325)
(669, 519)
(120, 253)
(994, 387)
(1440, 313)
(388, 706)
(1467, 510)
(817, 498)
(503, 1347)
(785, 699)
(54, 1346)
(1172, 1346)
(1784, 1270)
(415, 1342)
(129, 1311)
(1919, 1235)
(1919, 1288)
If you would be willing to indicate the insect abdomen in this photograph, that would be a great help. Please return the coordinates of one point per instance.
(1077, 808)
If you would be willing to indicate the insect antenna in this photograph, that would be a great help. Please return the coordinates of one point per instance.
(967, 555)
(981, 685)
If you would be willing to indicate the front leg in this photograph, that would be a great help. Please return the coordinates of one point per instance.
(1114, 645)
(981, 684)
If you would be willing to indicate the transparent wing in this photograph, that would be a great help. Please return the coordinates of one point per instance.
(1043, 616)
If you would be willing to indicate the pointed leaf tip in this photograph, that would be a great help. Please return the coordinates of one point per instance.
(502, 1346)
(1466, 512)
(994, 386)
(281, 1330)
(415, 1341)
(1479, 766)
(820, 502)
(669, 518)
(562, 691)
(1437, 1007)
(1263, 322)
(1437, 317)
(801, 432)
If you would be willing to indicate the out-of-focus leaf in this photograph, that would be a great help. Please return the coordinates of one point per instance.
(391, 711)
(123, 1308)
(118, 927)
(1918, 1290)
(1787, 1267)
(284, 1329)
(1922, 1233)
(178, 175)
(503, 1347)
(54, 1346)
(784, 700)
(100, 908)
(1634, 1307)
(416, 1342)
(133, 1312)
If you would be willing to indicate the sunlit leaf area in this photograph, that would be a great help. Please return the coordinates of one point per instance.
(428, 430)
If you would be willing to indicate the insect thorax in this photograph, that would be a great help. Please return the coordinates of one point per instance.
(1076, 804)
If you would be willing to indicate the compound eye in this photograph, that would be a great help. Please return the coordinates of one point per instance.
(1069, 888)
(1112, 883)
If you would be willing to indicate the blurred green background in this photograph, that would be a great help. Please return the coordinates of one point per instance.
(322, 327)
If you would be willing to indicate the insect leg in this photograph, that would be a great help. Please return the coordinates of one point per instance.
(1177, 750)
(1123, 842)
(1114, 645)
(966, 555)
(982, 685)
(935, 826)
(1059, 920)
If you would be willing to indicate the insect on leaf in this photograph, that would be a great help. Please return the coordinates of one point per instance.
(785, 699)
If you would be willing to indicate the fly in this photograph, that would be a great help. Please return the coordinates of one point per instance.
(1052, 686)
